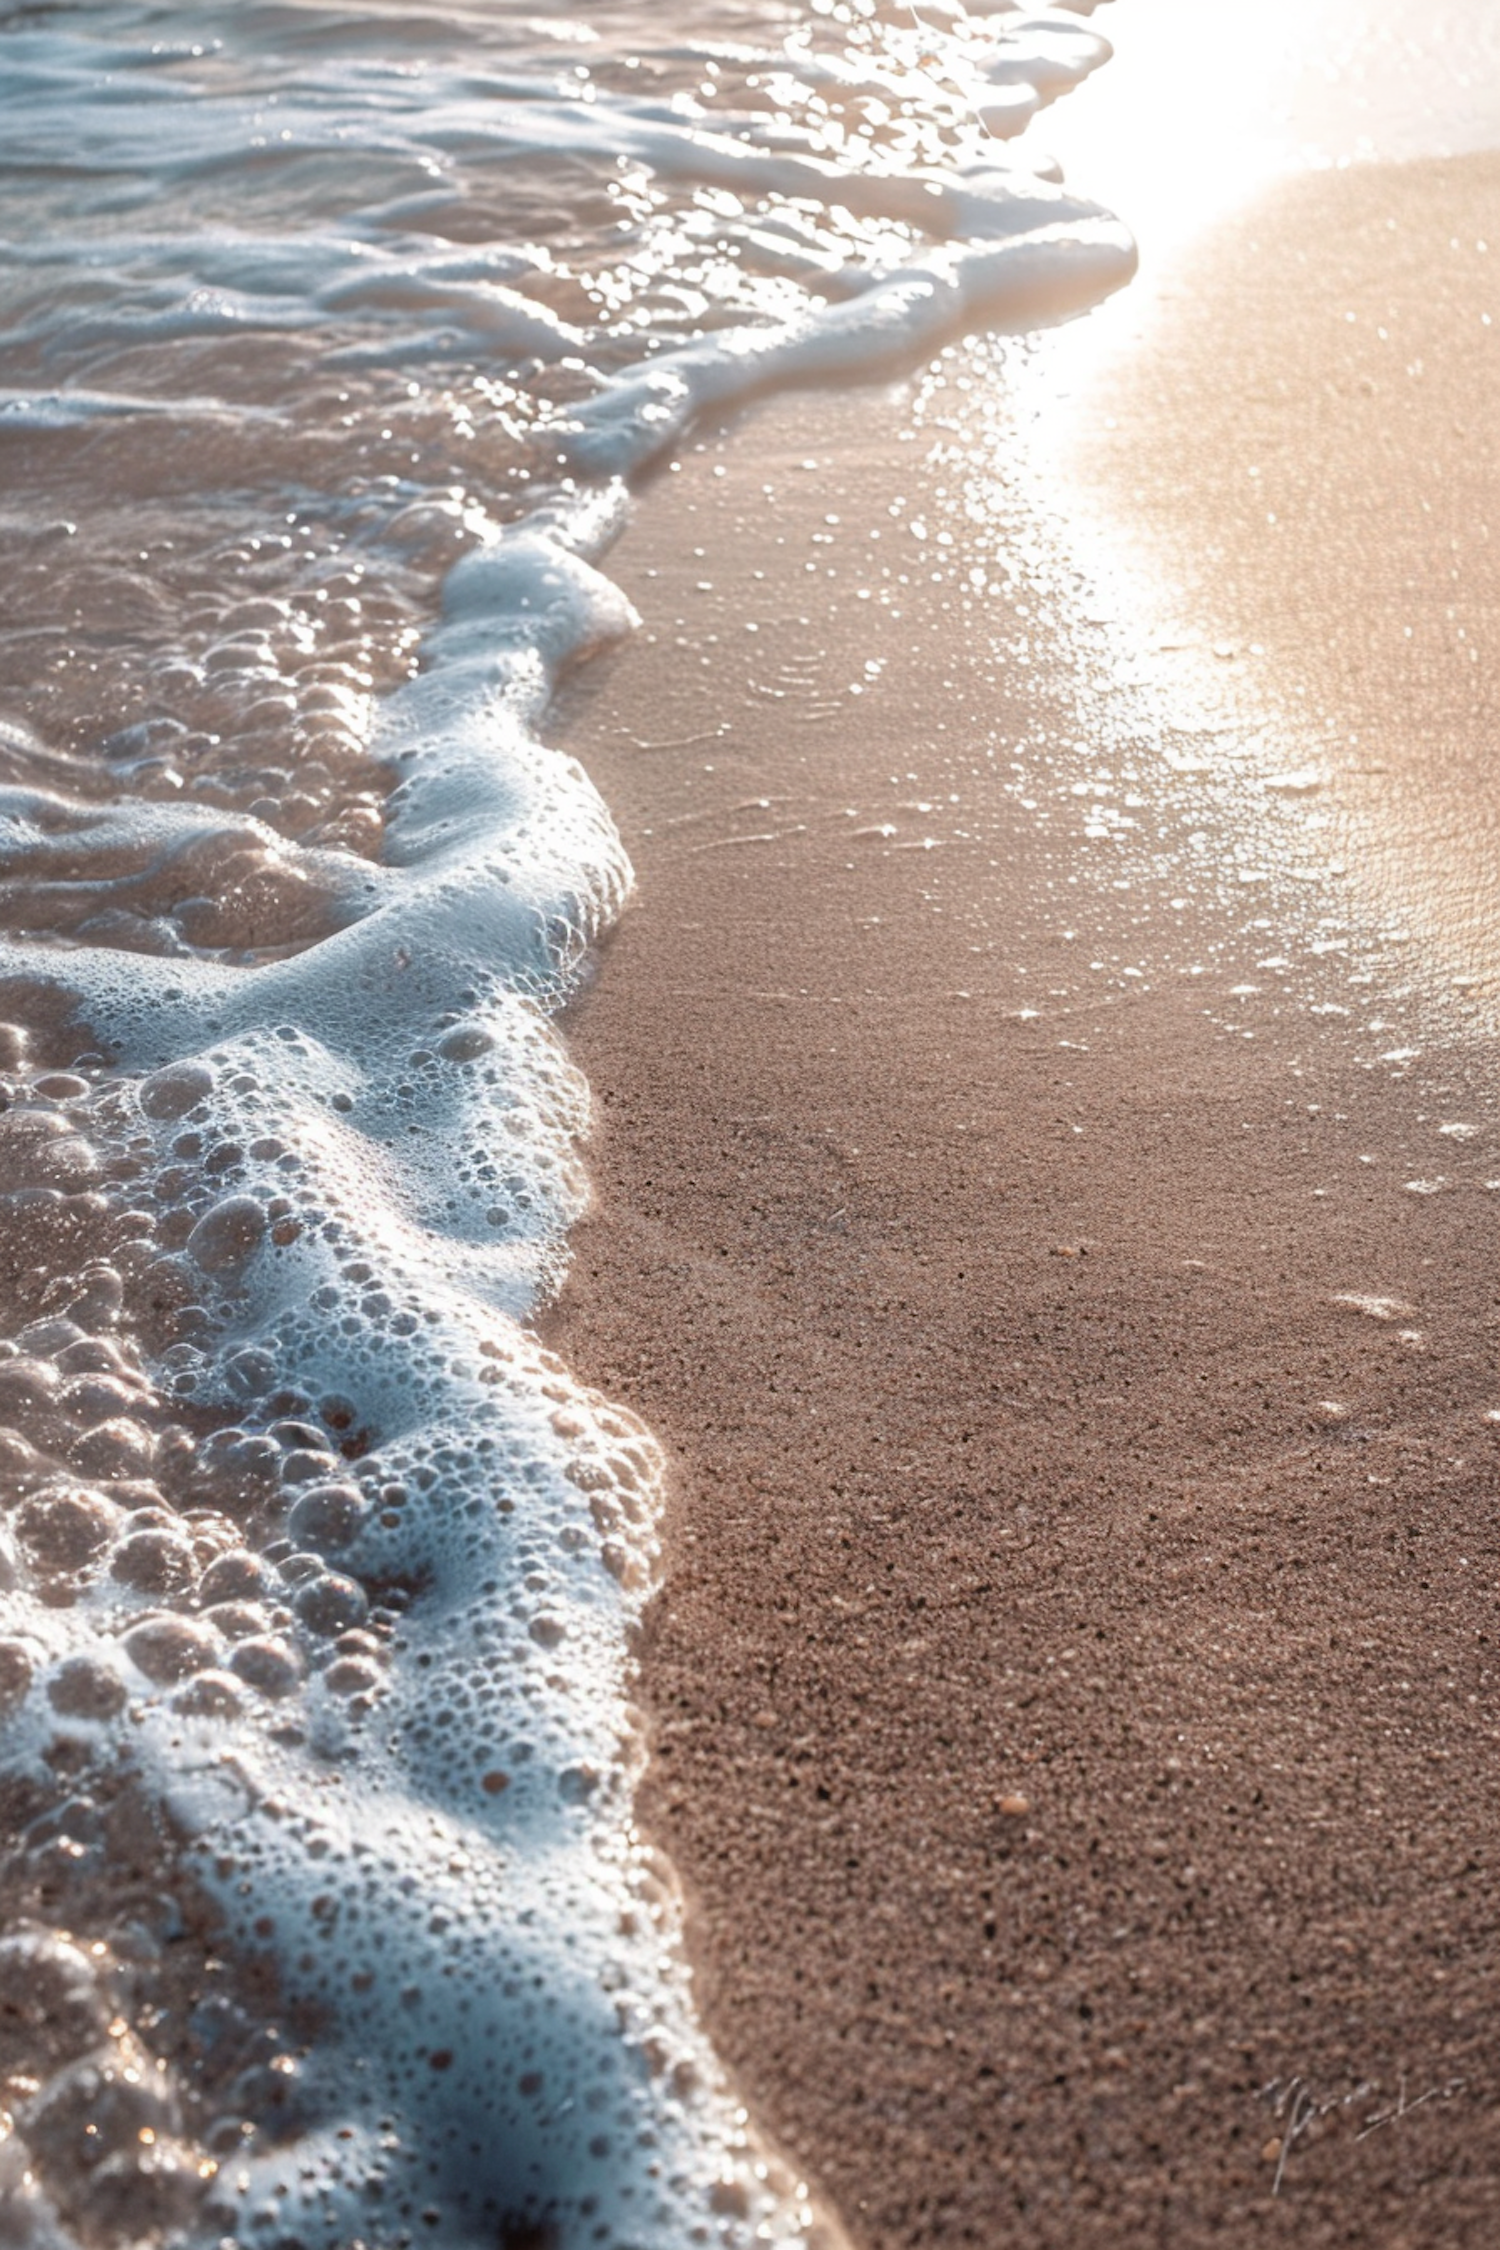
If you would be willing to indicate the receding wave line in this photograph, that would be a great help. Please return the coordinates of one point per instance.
(328, 1922)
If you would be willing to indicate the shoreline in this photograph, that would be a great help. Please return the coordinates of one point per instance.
(1079, 1561)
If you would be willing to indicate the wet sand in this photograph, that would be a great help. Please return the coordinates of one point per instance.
(1047, 1218)
(1303, 455)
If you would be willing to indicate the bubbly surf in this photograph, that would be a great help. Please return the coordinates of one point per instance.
(330, 344)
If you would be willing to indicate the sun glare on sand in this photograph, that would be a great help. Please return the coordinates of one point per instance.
(1202, 106)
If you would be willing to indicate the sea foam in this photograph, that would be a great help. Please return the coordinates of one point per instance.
(329, 1920)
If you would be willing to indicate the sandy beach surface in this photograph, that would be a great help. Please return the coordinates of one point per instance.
(1302, 451)
(1046, 1200)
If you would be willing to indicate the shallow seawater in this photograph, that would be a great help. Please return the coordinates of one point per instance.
(330, 343)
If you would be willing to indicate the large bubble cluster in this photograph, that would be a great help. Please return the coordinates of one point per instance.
(322, 1568)
(327, 1922)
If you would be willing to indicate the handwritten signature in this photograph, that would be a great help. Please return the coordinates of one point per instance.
(1295, 2101)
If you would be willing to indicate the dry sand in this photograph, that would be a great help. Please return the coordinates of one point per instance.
(1074, 1684)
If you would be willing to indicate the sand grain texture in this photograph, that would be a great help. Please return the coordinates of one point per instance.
(1074, 1682)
